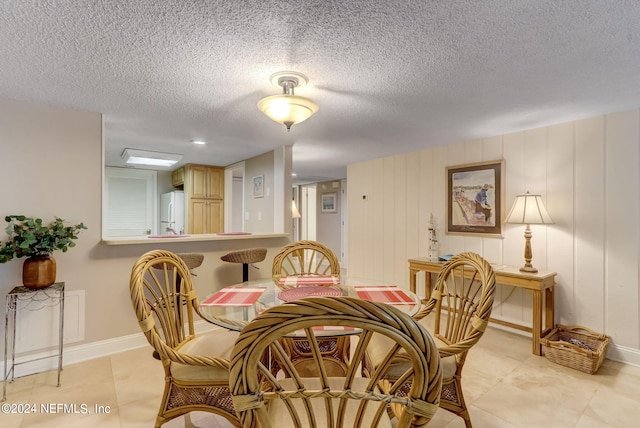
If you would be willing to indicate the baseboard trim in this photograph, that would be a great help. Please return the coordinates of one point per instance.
(46, 361)
(624, 354)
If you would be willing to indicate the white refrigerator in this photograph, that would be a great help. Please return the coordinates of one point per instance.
(172, 213)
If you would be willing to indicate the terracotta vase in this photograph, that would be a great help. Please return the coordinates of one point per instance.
(39, 272)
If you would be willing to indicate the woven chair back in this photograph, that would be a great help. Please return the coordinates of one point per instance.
(349, 401)
(463, 299)
(163, 299)
(305, 258)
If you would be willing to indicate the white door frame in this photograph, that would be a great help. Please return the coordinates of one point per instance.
(309, 212)
(344, 224)
(235, 170)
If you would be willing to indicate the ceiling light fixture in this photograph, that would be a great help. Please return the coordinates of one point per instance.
(146, 157)
(199, 142)
(287, 108)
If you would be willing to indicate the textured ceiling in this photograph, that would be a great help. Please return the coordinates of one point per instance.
(390, 76)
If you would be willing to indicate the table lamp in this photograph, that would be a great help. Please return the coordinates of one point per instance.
(528, 209)
(295, 215)
(294, 210)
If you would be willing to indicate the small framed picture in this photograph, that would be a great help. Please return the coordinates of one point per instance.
(328, 203)
(474, 193)
(258, 186)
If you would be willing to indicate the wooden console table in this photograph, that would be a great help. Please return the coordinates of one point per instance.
(508, 275)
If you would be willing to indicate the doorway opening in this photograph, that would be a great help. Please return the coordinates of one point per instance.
(234, 198)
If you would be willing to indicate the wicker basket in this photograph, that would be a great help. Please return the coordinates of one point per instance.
(576, 346)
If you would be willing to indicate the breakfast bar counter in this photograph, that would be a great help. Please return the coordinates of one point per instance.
(231, 236)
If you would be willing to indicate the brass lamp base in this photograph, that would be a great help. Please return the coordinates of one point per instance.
(528, 267)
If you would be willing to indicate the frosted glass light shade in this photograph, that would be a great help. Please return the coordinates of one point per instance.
(147, 157)
(287, 109)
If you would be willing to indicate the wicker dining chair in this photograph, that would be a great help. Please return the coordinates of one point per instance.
(458, 313)
(311, 258)
(264, 400)
(196, 366)
(305, 258)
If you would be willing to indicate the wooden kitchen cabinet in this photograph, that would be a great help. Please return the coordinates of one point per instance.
(177, 177)
(206, 181)
(204, 198)
(206, 215)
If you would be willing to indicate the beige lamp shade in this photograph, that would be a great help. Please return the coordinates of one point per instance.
(294, 210)
(528, 209)
(287, 109)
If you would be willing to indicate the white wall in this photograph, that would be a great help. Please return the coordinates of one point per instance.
(328, 225)
(588, 174)
(258, 211)
(270, 213)
(237, 224)
(51, 165)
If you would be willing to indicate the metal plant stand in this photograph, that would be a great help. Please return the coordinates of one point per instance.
(33, 300)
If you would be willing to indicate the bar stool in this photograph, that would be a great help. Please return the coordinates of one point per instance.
(246, 257)
(192, 260)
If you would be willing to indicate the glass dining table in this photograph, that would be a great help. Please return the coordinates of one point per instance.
(234, 306)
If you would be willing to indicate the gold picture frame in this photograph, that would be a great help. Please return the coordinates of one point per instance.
(475, 199)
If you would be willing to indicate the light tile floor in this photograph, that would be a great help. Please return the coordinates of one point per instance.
(504, 384)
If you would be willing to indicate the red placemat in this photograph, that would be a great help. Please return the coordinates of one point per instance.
(235, 296)
(332, 328)
(298, 293)
(306, 280)
(385, 294)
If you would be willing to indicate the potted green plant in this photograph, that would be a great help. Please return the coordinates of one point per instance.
(30, 238)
